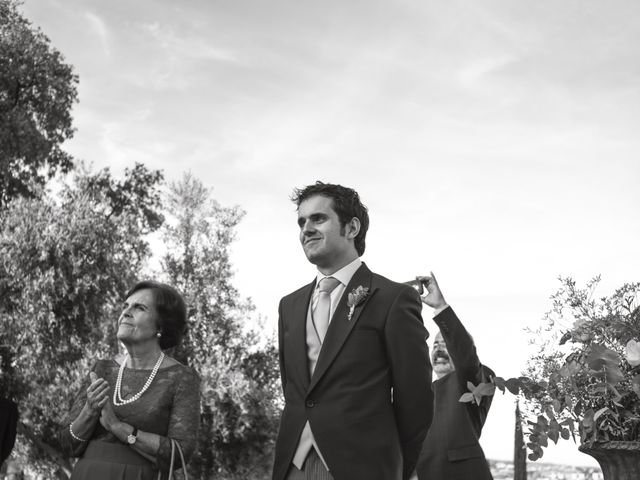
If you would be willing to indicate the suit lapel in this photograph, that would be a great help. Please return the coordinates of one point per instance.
(340, 325)
(298, 332)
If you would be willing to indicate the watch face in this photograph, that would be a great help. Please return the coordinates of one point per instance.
(131, 439)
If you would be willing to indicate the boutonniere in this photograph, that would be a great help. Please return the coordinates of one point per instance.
(355, 298)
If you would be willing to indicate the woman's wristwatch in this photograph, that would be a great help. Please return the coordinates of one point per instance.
(133, 436)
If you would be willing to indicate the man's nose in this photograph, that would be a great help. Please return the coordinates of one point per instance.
(307, 228)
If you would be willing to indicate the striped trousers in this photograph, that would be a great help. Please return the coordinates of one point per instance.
(313, 469)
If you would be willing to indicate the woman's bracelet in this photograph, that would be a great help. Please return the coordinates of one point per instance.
(74, 435)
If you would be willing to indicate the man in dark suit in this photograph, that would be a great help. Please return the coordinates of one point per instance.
(353, 356)
(451, 450)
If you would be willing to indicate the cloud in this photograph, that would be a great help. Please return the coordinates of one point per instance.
(167, 58)
(99, 27)
(185, 46)
(471, 74)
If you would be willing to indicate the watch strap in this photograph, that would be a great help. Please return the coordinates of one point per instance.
(133, 436)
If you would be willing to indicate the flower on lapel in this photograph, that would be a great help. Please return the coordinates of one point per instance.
(355, 298)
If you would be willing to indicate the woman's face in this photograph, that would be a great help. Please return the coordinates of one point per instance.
(138, 321)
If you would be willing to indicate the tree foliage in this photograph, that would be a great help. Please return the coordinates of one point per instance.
(66, 261)
(240, 394)
(585, 379)
(37, 92)
(134, 196)
(64, 265)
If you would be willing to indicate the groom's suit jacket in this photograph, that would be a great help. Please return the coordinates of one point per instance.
(369, 401)
(452, 450)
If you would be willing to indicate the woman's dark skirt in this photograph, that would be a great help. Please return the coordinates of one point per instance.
(112, 461)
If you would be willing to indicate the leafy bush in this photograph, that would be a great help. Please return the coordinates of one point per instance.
(585, 378)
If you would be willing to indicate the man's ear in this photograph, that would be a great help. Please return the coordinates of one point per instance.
(353, 228)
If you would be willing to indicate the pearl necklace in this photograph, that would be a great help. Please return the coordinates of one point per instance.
(117, 395)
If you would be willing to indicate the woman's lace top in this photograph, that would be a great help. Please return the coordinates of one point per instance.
(170, 408)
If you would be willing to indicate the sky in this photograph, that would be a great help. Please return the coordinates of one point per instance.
(495, 143)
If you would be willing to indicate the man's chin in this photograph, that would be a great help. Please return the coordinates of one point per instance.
(313, 256)
(442, 369)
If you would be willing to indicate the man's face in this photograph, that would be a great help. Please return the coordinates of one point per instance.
(325, 243)
(440, 359)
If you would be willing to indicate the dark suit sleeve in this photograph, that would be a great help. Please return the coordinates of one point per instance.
(8, 427)
(283, 373)
(465, 359)
(408, 354)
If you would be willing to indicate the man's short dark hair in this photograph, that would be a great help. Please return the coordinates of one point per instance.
(171, 309)
(346, 203)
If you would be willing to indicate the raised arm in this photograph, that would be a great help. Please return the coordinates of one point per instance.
(460, 348)
(459, 343)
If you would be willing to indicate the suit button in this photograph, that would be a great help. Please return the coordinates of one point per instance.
(310, 404)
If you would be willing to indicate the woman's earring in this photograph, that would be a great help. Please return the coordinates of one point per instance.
(158, 334)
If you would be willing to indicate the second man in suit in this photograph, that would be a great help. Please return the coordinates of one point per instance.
(452, 449)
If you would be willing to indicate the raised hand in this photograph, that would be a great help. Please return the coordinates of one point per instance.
(108, 417)
(97, 393)
(433, 296)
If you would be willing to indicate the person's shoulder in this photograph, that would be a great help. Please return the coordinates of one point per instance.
(181, 370)
(295, 293)
(103, 365)
(387, 292)
(389, 286)
(103, 362)
(488, 373)
(383, 281)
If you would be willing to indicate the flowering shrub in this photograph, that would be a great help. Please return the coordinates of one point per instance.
(585, 379)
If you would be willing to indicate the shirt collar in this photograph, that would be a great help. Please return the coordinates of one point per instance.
(344, 274)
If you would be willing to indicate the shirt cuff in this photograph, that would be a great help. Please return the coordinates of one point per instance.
(438, 311)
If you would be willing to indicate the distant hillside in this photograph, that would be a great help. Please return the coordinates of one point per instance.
(502, 470)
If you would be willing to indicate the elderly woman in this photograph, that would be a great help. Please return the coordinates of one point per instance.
(129, 409)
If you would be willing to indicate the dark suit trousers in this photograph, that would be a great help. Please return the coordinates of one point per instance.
(313, 469)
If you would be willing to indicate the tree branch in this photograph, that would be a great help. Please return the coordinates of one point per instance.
(55, 455)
